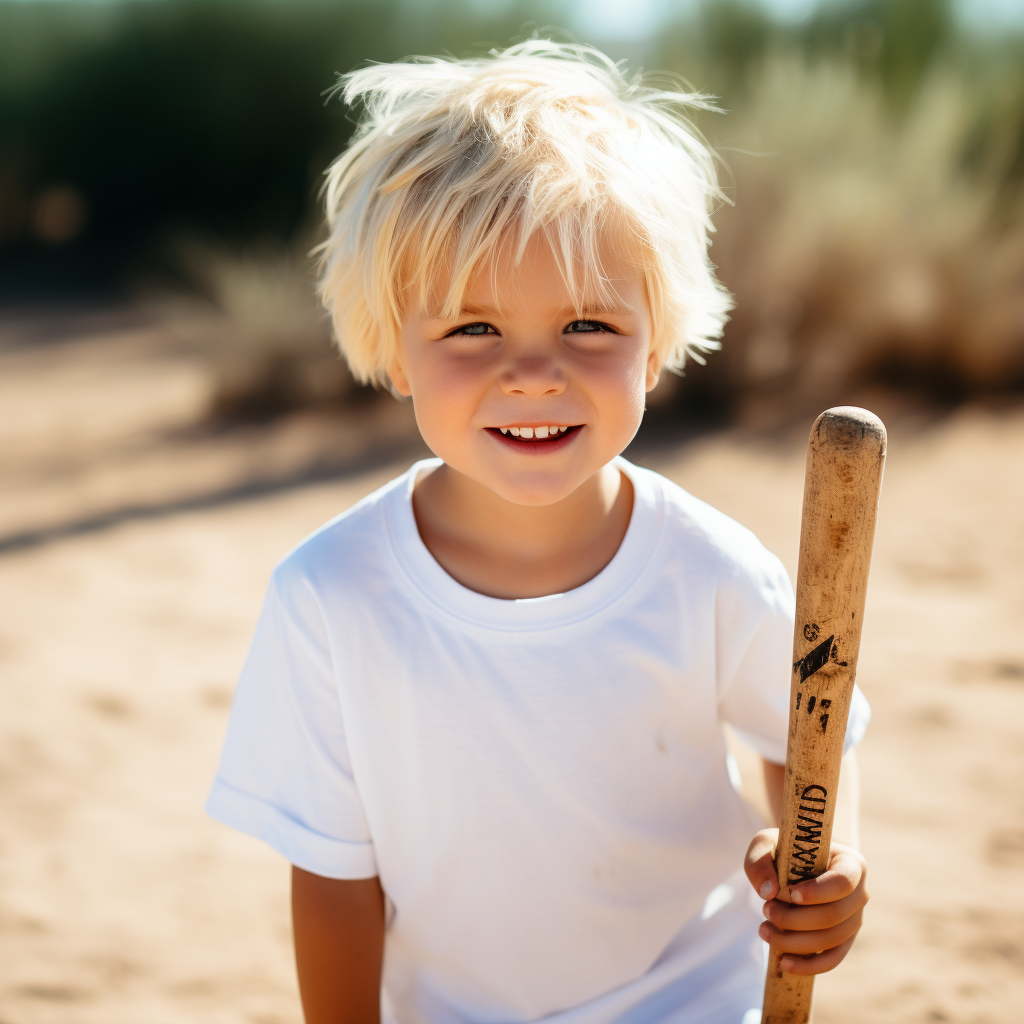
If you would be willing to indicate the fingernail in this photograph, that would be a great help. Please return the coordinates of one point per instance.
(796, 895)
(763, 932)
(765, 890)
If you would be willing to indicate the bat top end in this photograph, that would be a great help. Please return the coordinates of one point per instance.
(849, 426)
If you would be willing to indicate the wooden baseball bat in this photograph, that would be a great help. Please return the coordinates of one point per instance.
(845, 457)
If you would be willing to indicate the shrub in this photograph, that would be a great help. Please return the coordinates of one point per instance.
(268, 348)
(862, 245)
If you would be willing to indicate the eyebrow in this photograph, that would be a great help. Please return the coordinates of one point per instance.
(586, 313)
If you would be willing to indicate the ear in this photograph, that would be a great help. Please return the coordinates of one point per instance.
(399, 381)
(654, 364)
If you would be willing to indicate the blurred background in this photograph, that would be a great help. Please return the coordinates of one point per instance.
(174, 419)
(874, 151)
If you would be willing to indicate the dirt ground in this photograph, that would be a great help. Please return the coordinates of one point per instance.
(134, 549)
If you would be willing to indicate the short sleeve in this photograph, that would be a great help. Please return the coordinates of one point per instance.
(754, 644)
(284, 774)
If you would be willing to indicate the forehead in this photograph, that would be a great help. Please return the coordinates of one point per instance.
(537, 276)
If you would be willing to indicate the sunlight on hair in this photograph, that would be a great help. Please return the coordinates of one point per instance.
(453, 160)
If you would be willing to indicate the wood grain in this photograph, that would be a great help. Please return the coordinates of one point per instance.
(845, 458)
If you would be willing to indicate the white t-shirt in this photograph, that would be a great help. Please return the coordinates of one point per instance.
(540, 784)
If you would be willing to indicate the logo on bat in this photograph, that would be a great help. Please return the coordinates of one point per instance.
(817, 658)
(810, 663)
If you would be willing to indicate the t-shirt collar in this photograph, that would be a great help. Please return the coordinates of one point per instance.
(534, 614)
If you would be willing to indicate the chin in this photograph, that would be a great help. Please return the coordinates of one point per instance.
(534, 492)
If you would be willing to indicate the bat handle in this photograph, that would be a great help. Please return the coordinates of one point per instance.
(787, 997)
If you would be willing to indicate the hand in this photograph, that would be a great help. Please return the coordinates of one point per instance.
(819, 930)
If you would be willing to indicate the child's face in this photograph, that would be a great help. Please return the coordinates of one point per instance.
(520, 361)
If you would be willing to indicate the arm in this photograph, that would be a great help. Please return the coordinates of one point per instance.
(820, 933)
(774, 776)
(846, 828)
(339, 946)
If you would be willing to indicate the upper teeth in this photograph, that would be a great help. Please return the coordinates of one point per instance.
(532, 431)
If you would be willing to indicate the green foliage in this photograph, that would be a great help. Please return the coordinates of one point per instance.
(733, 34)
(200, 112)
(897, 47)
(897, 40)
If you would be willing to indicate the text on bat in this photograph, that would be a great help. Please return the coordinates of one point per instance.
(807, 841)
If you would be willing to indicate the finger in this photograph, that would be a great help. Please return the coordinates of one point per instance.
(759, 863)
(819, 963)
(845, 872)
(815, 917)
(806, 943)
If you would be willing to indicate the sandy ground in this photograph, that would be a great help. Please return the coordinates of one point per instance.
(134, 548)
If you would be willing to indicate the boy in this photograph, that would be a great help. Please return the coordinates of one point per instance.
(482, 713)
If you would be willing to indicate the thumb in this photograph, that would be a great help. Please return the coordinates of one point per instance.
(759, 864)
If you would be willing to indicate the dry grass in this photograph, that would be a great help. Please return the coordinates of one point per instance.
(860, 247)
(267, 346)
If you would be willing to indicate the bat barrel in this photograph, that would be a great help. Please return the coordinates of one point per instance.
(845, 458)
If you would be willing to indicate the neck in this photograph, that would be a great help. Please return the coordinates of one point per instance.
(502, 549)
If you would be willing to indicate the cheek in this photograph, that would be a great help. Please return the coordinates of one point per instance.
(445, 393)
(637, 403)
(620, 386)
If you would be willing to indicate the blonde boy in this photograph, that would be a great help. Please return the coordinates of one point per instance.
(482, 713)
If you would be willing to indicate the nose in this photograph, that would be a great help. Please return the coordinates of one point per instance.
(533, 377)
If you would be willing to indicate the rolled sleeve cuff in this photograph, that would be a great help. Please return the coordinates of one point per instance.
(771, 750)
(312, 851)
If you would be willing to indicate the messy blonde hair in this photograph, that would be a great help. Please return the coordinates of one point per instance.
(454, 159)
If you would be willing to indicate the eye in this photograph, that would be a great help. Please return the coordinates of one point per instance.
(588, 327)
(471, 331)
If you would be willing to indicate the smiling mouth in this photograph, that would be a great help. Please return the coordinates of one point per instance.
(535, 436)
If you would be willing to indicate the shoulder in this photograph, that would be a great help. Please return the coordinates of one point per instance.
(709, 538)
(351, 547)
